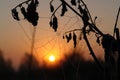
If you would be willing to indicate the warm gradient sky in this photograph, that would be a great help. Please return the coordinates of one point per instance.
(14, 43)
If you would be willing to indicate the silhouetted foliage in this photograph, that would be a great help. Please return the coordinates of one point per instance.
(6, 70)
(98, 40)
(68, 37)
(73, 2)
(74, 39)
(54, 23)
(24, 12)
(23, 70)
(64, 8)
(108, 42)
(110, 47)
(30, 13)
(15, 14)
(51, 7)
(73, 68)
(84, 14)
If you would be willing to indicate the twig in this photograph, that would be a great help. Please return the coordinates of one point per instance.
(22, 3)
(72, 31)
(116, 21)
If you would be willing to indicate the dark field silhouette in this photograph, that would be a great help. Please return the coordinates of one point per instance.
(73, 68)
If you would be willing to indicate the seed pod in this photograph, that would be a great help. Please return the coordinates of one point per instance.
(98, 40)
(73, 2)
(69, 37)
(55, 23)
(51, 23)
(24, 12)
(15, 14)
(64, 9)
(51, 8)
(74, 39)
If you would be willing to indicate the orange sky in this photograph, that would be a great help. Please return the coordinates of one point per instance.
(14, 42)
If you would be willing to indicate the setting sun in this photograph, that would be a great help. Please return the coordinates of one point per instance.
(51, 58)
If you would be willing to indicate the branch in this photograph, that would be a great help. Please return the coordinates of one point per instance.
(56, 10)
(88, 11)
(90, 49)
(51, 1)
(98, 31)
(71, 8)
(22, 3)
(93, 25)
(72, 31)
(84, 32)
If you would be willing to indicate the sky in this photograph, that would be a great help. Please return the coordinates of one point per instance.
(14, 42)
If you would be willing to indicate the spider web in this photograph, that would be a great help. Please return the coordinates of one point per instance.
(47, 40)
(44, 44)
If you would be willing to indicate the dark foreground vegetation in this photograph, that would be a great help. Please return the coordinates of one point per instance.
(74, 68)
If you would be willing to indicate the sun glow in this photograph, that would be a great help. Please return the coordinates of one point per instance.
(52, 58)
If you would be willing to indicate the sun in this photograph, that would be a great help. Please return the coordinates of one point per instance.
(51, 58)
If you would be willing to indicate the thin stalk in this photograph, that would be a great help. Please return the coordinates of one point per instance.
(116, 21)
(32, 51)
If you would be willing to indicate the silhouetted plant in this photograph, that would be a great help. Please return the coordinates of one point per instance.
(29, 13)
(24, 67)
(108, 41)
(76, 68)
(89, 25)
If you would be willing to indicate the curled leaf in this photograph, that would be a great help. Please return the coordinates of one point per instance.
(55, 23)
(32, 17)
(35, 19)
(15, 14)
(73, 2)
(64, 9)
(69, 37)
(30, 12)
(74, 39)
(32, 6)
(23, 11)
(98, 40)
(63, 37)
(51, 23)
(51, 7)
(80, 37)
